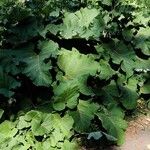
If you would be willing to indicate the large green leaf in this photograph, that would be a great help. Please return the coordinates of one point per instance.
(98, 135)
(105, 70)
(128, 98)
(145, 89)
(84, 114)
(48, 48)
(66, 94)
(38, 71)
(142, 40)
(80, 82)
(69, 145)
(82, 23)
(75, 64)
(7, 84)
(8, 62)
(107, 2)
(37, 120)
(64, 124)
(1, 113)
(113, 122)
(120, 54)
(109, 93)
(23, 32)
(61, 129)
(54, 129)
(43, 123)
(7, 130)
(22, 123)
(129, 95)
(36, 68)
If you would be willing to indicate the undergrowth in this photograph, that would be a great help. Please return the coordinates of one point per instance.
(70, 69)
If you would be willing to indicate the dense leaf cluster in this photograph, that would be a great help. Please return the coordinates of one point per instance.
(69, 67)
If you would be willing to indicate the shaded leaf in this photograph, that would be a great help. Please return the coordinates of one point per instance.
(7, 84)
(1, 113)
(113, 123)
(66, 94)
(96, 135)
(84, 114)
(145, 89)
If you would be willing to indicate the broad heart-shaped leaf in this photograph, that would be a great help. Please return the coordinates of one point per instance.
(109, 93)
(7, 84)
(64, 124)
(121, 54)
(7, 130)
(37, 118)
(23, 32)
(120, 91)
(66, 94)
(55, 144)
(48, 48)
(38, 71)
(61, 128)
(75, 64)
(82, 23)
(1, 113)
(107, 2)
(141, 18)
(97, 135)
(129, 96)
(145, 89)
(113, 123)
(8, 62)
(105, 70)
(69, 145)
(45, 123)
(126, 55)
(36, 68)
(80, 82)
(83, 86)
(142, 40)
(22, 123)
(84, 114)
(142, 64)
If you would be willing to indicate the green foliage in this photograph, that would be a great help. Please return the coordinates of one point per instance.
(99, 134)
(23, 132)
(65, 64)
(83, 116)
(66, 94)
(84, 23)
(113, 122)
(75, 64)
(7, 84)
(36, 69)
(1, 113)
